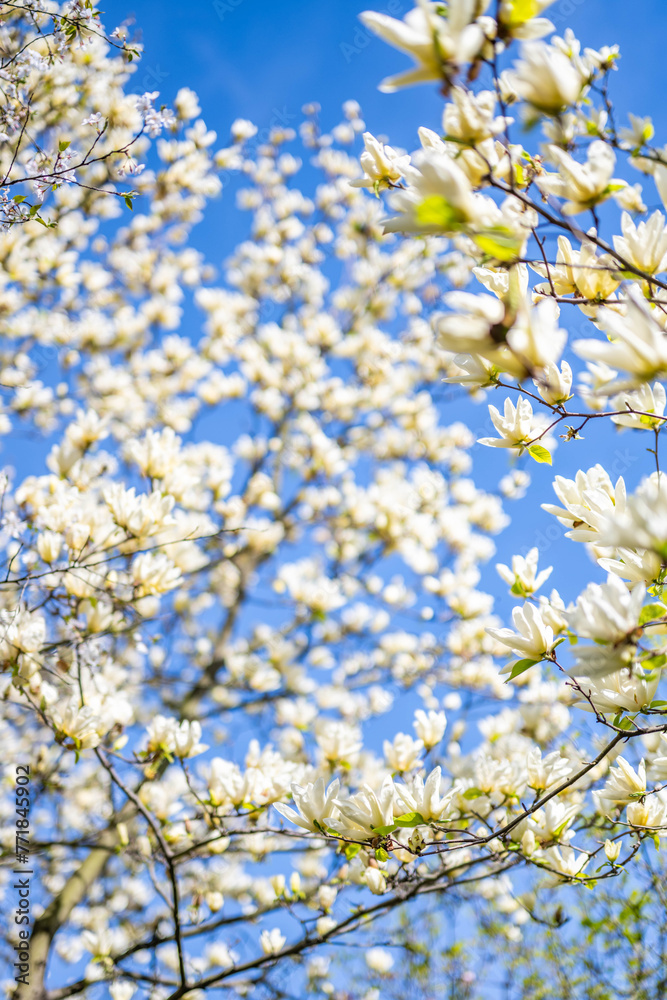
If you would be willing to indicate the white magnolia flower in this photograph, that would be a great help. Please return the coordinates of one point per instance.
(403, 753)
(624, 783)
(554, 386)
(607, 612)
(516, 426)
(121, 989)
(588, 501)
(533, 639)
(379, 960)
(434, 42)
(468, 327)
(438, 198)
(612, 850)
(545, 78)
(166, 735)
(470, 117)
(313, 802)
(430, 727)
(637, 343)
(645, 399)
(535, 339)
(543, 772)
(78, 722)
(383, 167)
(365, 811)
(580, 272)
(582, 185)
(473, 371)
(566, 861)
(644, 244)
(375, 880)
(272, 941)
(141, 515)
(523, 577)
(621, 691)
(642, 523)
(424, 797)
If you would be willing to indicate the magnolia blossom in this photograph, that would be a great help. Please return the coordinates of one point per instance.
(545, 78)
(438, 198)
(168, 736)
(365, 811)
(379, 960)
(470, 117)
(523, 577)
(424, 796)
(642, 523)
(619, 691)
(582, 185)
(433, 41)
(609, 614)
(644, 244)
(403, 753)
(78, 722)
(272, 941)
(554, 385)
(383, 167)
(646, 400)
(637, 344)
(583, 272)
(516, 426)
(588, 500)
(624, 783)
(430, 727)
(533, 638)
(375, 880)
(314, 804)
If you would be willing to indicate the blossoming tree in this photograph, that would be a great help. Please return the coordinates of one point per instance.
(265, 704)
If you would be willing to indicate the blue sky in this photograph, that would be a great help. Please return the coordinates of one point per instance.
(248, 57)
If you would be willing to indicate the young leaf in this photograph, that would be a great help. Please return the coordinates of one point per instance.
(520, 667)
(540, 454)
(409, 819)
(650, 612)
(436, 213)
(499, 242)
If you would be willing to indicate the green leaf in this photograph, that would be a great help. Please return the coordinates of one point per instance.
(63, 144)
(520, 667)
(540, 454)
(410, 819)
(381, 854)
(128, 202)
(382, 831)
(437, 214)
(351, 850)
(499, 242)
(473, 793)
(652, 611)
(18, 198)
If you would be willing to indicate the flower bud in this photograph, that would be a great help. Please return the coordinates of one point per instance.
(612, 849)
(528, 842)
